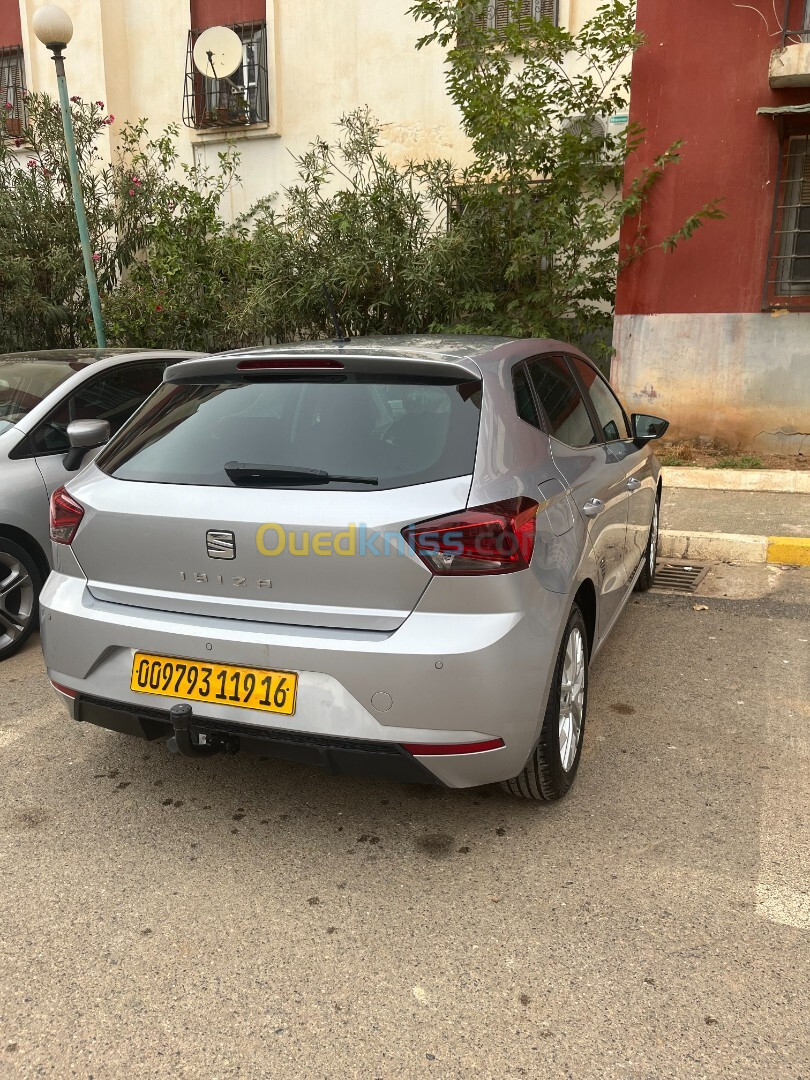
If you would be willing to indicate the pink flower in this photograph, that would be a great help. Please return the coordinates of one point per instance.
(132, 191)
(96, 256)
(31, 163)
(75, 99)
(100, 104)
(9, 105)
(158, 307)
(18, 142)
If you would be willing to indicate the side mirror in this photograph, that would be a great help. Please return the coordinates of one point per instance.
(647, 428)
(84, 435)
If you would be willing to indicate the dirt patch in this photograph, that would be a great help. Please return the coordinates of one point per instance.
(707, 457)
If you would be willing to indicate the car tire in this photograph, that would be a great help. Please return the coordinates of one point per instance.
(20, 586)
(646, 578)
(550, 771)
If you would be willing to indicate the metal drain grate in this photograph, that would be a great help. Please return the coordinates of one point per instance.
(675, 576)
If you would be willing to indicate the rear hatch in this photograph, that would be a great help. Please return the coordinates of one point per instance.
(279, 494)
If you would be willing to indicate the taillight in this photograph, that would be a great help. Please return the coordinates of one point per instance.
(493, 539)
(66, 516)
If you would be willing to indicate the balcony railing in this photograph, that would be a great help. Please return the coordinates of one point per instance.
(233, 102)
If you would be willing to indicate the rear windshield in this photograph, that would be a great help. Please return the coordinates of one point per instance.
(356, 429)
(26, 383)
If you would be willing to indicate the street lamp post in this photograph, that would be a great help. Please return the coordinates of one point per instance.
(54, 29)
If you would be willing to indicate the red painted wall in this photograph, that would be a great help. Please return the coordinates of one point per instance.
(701, 77)
(205, 13)
(10, 32)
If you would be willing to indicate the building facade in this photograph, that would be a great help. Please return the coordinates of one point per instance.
(304, 65)
(716, 336)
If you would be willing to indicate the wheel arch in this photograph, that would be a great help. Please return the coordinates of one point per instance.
(29, 544)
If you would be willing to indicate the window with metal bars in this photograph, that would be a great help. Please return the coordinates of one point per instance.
(241, 99)
(796, 22)
(502, 12)
(13, 116)
(788, 278)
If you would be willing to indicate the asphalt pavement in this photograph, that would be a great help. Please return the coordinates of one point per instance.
(753, 513)
(246, 918)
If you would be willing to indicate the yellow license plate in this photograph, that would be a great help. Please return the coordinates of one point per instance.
(225, 684)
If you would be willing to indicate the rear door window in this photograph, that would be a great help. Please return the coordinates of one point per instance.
(113, 396)
(394, 433)
(566, 412)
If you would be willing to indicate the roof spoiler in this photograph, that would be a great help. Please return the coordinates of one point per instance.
(262, 367)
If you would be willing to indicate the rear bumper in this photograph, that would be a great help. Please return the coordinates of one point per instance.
(347, 757)
(442, 677)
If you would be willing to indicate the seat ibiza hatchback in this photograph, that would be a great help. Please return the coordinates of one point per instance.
(391, 557)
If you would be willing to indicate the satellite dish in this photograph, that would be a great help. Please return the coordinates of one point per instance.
(218, 52)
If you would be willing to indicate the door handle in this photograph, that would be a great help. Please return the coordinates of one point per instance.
(633, 484)
(593, 508)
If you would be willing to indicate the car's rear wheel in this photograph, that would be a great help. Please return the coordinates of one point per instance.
(550, 771)
(646, 578)
(20, 585)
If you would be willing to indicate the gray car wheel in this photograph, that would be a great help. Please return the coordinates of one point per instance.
(550, 771)
(20, 585)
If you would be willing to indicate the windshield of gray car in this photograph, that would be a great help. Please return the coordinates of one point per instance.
(25, 383)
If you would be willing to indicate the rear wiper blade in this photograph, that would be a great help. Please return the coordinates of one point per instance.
(241, 473)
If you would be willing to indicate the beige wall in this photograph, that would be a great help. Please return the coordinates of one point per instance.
(325, 58)
(740, 380)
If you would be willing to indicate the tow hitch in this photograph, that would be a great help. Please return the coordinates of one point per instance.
(195, 743)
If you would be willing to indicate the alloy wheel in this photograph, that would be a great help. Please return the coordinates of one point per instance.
(17, 601)
(572, 698)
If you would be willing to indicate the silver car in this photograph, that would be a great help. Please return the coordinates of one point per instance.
(390, 557)
(41, 395)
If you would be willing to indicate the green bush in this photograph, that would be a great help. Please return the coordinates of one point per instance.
(160, 246)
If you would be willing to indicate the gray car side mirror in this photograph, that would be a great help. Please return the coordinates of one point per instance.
(646, 428)
(84, 435)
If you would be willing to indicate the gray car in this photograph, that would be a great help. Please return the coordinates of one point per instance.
(41, 394)
(390, 557)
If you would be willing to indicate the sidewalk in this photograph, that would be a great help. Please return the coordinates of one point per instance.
(735, 526)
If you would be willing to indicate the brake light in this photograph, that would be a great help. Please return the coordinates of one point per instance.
(443, 749)
(293, 364)
(66, 516)
(493, 539)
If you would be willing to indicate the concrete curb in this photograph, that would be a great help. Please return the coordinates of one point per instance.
(734, 548)
(776, 480)
(792, 550)
(712, 547)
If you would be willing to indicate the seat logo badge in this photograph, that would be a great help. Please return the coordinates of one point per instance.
(220, 545)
